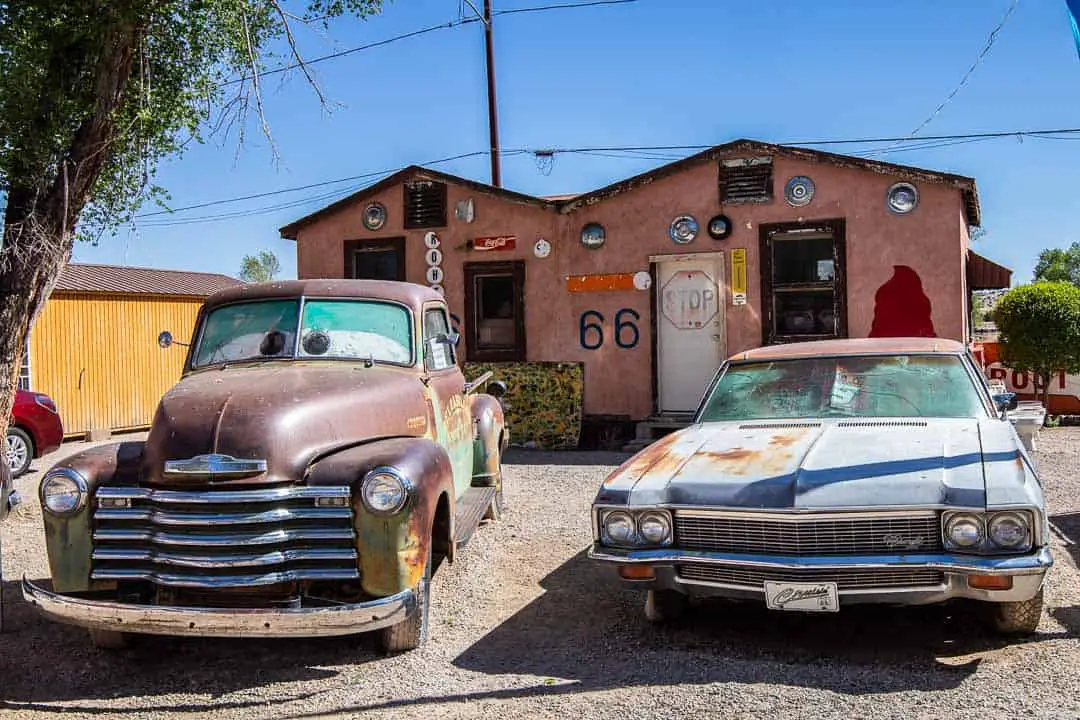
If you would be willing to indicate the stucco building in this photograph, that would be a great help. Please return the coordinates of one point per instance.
(647, 284)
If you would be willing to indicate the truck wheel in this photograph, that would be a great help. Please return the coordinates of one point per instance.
(665, 605)
(411, 632)
(108, 639)
(1017, 618)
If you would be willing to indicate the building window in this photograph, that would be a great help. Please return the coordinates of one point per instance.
(802, 282)
(746, 180)
(375, 259)
(24, 370)
(425, 204)
(495, 311)
(438, 354)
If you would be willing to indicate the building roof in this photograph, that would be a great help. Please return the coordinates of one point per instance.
(570, 203)
(853, 346)
(121, 279)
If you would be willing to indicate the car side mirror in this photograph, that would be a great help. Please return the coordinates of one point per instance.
(1005, 401)
(451, 338)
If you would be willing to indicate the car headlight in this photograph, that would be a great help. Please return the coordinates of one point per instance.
(1010, 530)
(619, 527)
(385, 490)
(964, 531)
(655, 527)
(63, 491)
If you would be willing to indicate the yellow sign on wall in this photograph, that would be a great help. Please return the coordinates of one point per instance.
(738, 277)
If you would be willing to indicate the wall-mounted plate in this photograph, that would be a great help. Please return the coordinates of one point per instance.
(719, 227)
(542, 248)
(592, 236)
(642, 280)
(374, 216)
(799, 191)
(902, 198)
(683, 230)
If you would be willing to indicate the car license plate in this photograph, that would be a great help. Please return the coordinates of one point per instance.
(802, 597)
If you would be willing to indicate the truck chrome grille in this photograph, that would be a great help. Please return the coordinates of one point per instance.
(835, 535)
(755, 578)
(224, 538)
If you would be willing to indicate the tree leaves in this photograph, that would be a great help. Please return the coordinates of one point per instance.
(1057, 265)
(260, 268)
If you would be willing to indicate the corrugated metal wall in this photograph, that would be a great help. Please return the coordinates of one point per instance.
(97, 356)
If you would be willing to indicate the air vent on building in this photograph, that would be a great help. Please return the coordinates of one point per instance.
(425, 204)
(746, 180)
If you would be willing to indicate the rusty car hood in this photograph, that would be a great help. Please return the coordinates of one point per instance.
(284, 413)
(829, 464)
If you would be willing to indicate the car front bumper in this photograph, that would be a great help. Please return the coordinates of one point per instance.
(221, 622)
(1027, 573)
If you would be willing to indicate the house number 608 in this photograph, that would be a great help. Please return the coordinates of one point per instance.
(591, 329)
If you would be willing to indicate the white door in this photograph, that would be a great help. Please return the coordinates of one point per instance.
(690, 327)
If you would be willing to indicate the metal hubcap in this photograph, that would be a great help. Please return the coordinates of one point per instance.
(16, 452)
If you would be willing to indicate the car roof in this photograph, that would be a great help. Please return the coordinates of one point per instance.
(410, 294)
(852, 346)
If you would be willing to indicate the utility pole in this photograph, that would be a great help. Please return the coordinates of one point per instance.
(493, 112)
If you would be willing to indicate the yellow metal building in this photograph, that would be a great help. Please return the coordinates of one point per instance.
(94, 348)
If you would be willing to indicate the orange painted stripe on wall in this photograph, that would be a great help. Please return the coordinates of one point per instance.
(600, 283)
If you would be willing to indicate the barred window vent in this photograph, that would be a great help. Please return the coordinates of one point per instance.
(425, 204)
(749, 180)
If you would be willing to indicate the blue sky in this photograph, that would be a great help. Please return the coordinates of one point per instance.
(654, 72)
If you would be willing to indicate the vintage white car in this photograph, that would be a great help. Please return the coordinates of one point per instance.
(822, 474)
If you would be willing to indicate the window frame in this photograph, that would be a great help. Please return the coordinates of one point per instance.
(353, 247)
(474, 271)
(770, 334)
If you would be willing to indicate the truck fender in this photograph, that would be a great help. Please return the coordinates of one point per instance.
(490, 438)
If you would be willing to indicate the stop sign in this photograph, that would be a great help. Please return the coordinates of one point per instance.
(690, 299)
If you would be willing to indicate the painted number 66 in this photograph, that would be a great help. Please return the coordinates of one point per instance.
(591, 329)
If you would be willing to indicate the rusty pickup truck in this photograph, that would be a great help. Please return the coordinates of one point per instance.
(319, 458)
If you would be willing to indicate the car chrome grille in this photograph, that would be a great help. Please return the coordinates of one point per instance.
(223, 538)
(755, 578)
(859, 535)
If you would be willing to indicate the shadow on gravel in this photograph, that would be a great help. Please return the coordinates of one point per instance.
(522, 456)
(587, 633)
(44, 662)
(1069, 525)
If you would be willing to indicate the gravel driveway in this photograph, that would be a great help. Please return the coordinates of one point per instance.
(524, 626)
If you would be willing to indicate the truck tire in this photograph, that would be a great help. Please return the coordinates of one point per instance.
(411, 632)
(665, 605)
(1017, 618)
(108, 639)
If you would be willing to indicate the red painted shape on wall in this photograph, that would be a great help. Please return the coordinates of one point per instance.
(498, 242)
(901, 308)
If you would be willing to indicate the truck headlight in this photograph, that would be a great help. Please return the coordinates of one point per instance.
(385, 490)
(1010, 530)
(63, 491)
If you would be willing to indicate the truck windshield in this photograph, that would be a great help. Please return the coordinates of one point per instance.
(268, 329)
(937, 386)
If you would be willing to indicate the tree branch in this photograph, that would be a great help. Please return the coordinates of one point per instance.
(296, 54)
(257, 90)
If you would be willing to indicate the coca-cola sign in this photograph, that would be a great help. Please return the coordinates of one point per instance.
(498, 242)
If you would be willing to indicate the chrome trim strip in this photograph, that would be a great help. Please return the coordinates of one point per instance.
(803, 517)
(994, 565)
(214, 519)
(223, 622)
(271, 537)
(232, 560)
(223, 496)
(225, 581)
(214, 465)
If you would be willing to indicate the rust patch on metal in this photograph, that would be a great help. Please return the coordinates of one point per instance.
(785, 440)
(644, 460)
(740, 461)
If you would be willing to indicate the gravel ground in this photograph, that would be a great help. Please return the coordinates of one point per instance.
(524, 626)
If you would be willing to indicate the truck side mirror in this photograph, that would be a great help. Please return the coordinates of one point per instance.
(165, 339)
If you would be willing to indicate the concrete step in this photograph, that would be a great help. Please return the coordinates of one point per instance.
(651, 430)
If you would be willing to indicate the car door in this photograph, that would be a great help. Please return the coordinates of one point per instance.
(451, 414)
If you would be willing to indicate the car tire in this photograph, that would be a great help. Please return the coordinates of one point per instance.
(1017, 618)
(412, 632)
(665, 605)
(20, 451)
(108, 639)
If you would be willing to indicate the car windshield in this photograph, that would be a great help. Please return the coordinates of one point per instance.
(357, 329)
(936, 386)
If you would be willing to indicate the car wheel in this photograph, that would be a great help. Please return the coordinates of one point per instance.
(1017, 618)
(20, 451)
(411, 632)
(108, 639)
(665, 605)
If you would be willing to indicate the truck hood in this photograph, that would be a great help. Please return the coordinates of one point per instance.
(830, 464)
(285, 414)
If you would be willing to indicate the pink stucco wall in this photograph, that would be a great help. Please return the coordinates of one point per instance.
(932, 240)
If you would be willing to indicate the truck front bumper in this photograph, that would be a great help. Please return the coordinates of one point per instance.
(221, 622)
(1027, 573)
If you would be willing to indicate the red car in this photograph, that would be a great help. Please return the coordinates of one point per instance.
(35, 430)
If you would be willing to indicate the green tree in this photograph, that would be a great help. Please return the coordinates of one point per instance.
(93, 94)
(1059, 265)
(260, 268)
(1039, 330)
